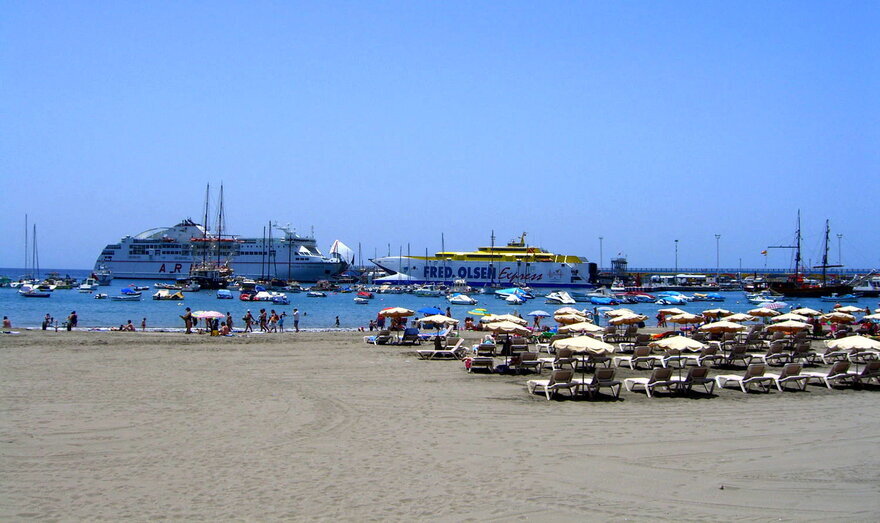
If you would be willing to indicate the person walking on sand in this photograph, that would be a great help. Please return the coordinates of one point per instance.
(281, 321)
(188, 320)
(296, 320)
(273, 321)
(337, 321)
(143, 325)
(72, 320)
(248, 322)
(229, 320)
(263, 327)
(661, 319)
(46, 321)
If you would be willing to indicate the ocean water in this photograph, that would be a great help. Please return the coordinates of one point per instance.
(315, 313)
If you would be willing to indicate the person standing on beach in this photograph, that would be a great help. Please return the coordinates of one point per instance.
(229, 320)
(248, 322)
(46, 321)
(296, 320)
(337, 321)
(72, 320)
(188, 320)
(143, 325)
(263, 327)
(273, 321)
(281, 321)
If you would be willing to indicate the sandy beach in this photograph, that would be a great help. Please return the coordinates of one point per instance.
(322, 426)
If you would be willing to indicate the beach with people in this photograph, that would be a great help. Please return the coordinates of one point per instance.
(145, 425)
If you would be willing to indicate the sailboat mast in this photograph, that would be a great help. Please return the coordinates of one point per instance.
(825, 253)
(219, 224)
(797, 252)
(36, 255)
(26, 232)
(205, 227)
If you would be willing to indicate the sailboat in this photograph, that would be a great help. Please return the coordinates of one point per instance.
(34, 289)
(796, 285)
(210, 273)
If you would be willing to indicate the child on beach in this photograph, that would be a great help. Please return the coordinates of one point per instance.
(143, 325)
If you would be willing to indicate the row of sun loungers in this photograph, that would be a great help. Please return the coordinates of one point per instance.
(663, 379)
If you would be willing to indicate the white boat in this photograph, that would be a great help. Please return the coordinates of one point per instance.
(513, 299)
(33, 291)
(89, 285)
(126, 297)
(101, 296)
(361, 301)
(165, 294)
(315, 294)
(560, 297)
(461, 299)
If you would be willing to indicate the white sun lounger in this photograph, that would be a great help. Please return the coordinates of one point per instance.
(454, 352)
(559, 379)
(660, 378)
(838, 372)
(754, 376)
(790, 373)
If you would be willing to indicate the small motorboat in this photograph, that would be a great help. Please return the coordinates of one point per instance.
(89, 285)
(165, 294)
(560, 297)
(129, 296)
(844, 298)
(367, 295)
(224, 294)
(461, 299)
(361, 301)
(101, 296)
(139, 288)
(315, 294)
(712, 296)
(32, 291)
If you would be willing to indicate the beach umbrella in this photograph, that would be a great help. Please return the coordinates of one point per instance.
(539, 314)
(438, 319)
(672, 311)
(510, 318)
(629, 319)
(583, 326)
(788, 327)
(739, 317)
(849, 309)
(763, 312)
(208, 314)
(853, 343)
(722, 326)
(686, 318)
(716, 313)
(478, 312)
(568, 319)
(806, 311)
(585, 345)
(872, 317)
(678, 343)
(396, 312)
(838, 317)
(773, 305)
(567, 310)
(430, 310)
(615, 313)
(508, 327)
(789, 317)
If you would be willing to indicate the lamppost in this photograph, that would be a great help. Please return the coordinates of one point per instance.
(717, 256)
(676, 256)
(600, 252)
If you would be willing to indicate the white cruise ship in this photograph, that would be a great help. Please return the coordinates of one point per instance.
(513, 264)
(170, 252)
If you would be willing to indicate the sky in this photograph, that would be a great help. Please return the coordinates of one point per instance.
(393, 123)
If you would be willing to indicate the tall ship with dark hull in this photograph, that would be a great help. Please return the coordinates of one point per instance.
(173, 252)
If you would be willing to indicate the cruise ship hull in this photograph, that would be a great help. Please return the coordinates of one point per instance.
(478, 273)
(159, 269)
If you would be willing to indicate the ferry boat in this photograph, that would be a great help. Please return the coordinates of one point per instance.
(514, 264)
(170, 252)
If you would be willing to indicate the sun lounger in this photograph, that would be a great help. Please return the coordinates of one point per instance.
(706, 356)
(480, 362)
(660, 378)
(410, 337)
(790, 373)
(672, 358)
(754, 376)
(382, 338)
(837, 373)
(738, 353)
(870, 372)
(778, 352)
(528, 361)
(562, 358)
(830, 356)
(695, 376)
(601, 378)
(457, 351)
(484, 349)
(639, 355)
(559, 380)
(429, 336)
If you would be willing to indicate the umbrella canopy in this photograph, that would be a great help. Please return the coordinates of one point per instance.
(568, 319)
(584, 345)
(430, 310)
(838, 317)
(678, 343)
(872, 317)
(789, 317)
(568, 310)
(628, 319)
(583, 326)
(616, 313)
(739, 317)
(806, 311)
(478, 312)
(208, 314)
(788, 326)
(672, 311)
(511, 318)
(437, 318)
(763, 312)
(539, 314)
(686, 318)
(396, 312)
(716, 313)
(849, 309)
(507, 326)
(722, 326)
(854, 342)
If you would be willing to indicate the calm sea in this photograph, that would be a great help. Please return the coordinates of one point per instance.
(315, 313)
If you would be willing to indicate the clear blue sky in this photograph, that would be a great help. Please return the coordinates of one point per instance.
(391, 122)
